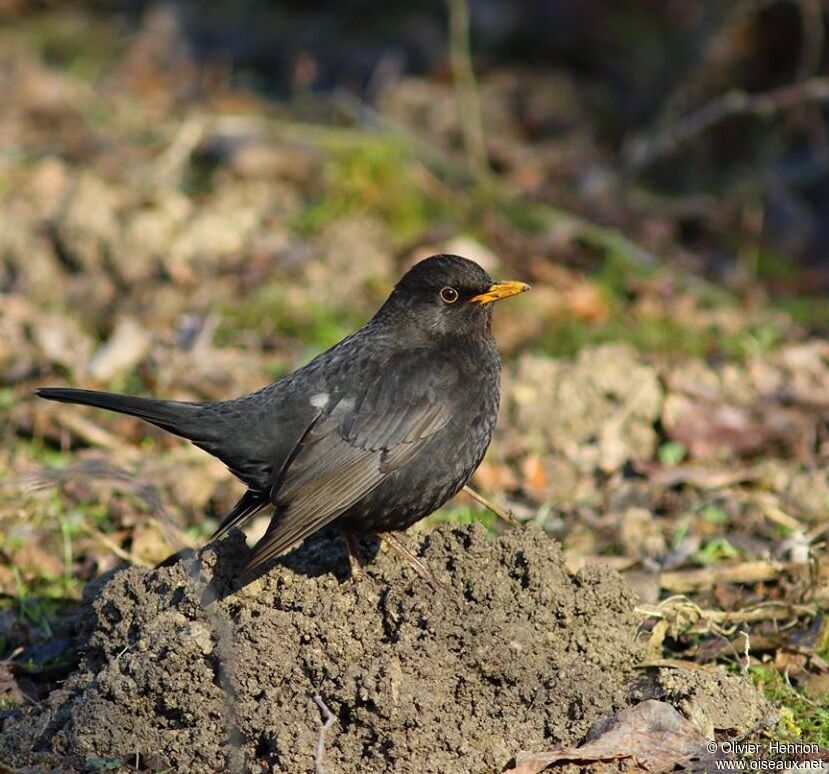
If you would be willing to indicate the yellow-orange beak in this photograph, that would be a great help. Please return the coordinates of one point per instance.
(499, 290)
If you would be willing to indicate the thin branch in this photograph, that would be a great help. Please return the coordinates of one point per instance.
(319, 749)
(499, 512)
(466, 90)
(811, 47)
(746, 652)
(169, 167)
(94, 434)
(755, 571)
(112, 545)
(640, 151)
(679, 611)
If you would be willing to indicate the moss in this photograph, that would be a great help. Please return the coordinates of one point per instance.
(378, 178)
(801, 719)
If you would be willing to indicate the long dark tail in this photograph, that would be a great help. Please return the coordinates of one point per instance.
(184, 419)
(212, 426)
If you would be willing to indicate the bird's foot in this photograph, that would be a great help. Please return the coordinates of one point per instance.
(419, 567)
(354, 566)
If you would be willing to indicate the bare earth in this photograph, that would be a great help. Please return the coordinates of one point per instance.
(517, 654)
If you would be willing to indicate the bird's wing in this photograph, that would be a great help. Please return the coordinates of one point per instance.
(352, 448)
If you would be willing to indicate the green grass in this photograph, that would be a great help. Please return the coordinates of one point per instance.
(79, 44)
(809, 312)
(714, 551)
(524, 217)
(774, 267)
(663, 335)
(268, 312)
(672, 453)
(42, 599)
(462, 514)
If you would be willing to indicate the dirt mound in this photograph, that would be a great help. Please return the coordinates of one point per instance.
(516, 654)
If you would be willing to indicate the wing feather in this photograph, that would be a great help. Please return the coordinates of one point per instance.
(348, 453)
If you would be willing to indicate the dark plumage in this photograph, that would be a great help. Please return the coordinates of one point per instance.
(375, 433)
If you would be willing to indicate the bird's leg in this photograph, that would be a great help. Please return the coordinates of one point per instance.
(419, 567)
(353, 552)
(501, 514)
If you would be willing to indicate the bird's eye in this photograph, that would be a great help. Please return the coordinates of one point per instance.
(448, 295)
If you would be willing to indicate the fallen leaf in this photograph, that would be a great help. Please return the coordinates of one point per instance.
(652, 733)
(495, 477)
(534, 477)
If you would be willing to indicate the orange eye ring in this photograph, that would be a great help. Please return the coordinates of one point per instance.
(448, 295)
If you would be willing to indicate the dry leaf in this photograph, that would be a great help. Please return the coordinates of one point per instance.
(534, 477)
(652, 733)
(495, 477)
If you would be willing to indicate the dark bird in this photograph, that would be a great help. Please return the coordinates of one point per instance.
(375, 433)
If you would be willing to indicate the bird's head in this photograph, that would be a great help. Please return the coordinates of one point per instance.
(447, 295)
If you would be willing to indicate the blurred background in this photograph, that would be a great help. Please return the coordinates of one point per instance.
(198, 197)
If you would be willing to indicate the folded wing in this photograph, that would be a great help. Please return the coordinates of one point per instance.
(353, 447)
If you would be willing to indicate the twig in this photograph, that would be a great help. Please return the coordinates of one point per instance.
(319, 749)
(746, 653)
(642, 151)
(499, 512)
(738, 658)
(681, 612)
(682, 581)
(818, 531)
(466, 91)
(795, 692)
(391, 540)
(811, 47)
(112, 545)
(94, 434)
(775, 513)
(170, 165)
(719, 24)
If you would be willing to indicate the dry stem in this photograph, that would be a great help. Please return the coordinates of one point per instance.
(319, 749)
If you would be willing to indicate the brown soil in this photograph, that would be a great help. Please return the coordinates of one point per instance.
(516, 654)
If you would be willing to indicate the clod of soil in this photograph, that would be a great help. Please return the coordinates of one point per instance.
(516, 654)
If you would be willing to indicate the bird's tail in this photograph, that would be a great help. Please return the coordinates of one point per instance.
(183, 419)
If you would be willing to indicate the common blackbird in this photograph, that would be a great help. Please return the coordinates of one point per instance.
(375, 433)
